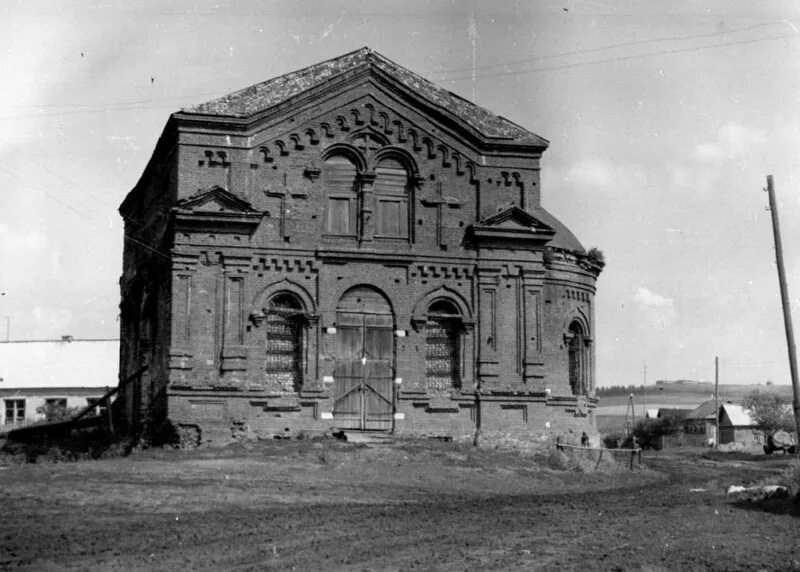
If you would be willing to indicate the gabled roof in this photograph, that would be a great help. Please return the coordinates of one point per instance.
(738, 415)
(262, 96)
(703, 411)
(675, 412)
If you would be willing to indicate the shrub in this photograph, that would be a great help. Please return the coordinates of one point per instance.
(648, 432)
(596, 255)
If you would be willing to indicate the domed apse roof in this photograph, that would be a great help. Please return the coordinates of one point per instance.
(564, 239)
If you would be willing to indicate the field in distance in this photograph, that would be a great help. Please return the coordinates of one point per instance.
(681, 394)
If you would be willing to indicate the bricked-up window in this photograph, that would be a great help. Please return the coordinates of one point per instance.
(578, 359)
(341, 196)
(443, 346)
(284, 360)
(391, 199)
(15, 410)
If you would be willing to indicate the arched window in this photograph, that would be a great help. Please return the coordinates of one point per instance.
(341, 196)
(578, 359)
(285, 343)
(391, 199)
(443, 346)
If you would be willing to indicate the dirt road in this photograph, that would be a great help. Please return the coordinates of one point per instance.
(427, 506)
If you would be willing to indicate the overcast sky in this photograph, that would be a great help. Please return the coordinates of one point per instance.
(663, 121)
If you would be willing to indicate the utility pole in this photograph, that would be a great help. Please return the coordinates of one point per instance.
(787, 315)
(716, 402)
(630, 416)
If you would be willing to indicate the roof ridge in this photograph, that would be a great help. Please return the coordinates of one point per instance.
(264, 95)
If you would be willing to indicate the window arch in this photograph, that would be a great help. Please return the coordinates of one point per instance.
(578, 359)
(443, 346)
(391, 199)
(285, 346)
(339, 175)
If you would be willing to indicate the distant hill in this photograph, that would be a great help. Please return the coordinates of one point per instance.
(684, 391)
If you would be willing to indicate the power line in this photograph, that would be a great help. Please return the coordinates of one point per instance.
(13, 172)
(610, 47)
(624, 58)
(132, 102)
(85, 111)
(59, 176)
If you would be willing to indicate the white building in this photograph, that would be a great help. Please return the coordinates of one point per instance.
(65, 373)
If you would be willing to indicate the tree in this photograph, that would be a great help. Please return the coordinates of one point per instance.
(649, 432)
(768, 411)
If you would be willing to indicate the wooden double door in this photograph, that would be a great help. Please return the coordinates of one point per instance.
(364, 371)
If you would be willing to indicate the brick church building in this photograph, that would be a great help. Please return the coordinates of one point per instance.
(349, 246)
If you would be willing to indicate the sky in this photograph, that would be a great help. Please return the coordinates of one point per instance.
(663, 120)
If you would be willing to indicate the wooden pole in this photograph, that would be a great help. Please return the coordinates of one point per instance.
(716, 402)
(787, 314)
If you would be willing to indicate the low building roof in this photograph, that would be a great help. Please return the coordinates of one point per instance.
(59, 363)
(703, 411)
(738, 415)
(675, 412)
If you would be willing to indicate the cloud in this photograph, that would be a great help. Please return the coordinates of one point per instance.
(733, 141)
(658, 311)
(20, 246)
(603, 173)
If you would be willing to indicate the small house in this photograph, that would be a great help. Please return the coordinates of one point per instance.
(736, 425)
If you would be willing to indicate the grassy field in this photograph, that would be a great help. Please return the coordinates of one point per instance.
(422, 505)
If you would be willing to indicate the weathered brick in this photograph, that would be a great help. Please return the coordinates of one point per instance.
(229, 213)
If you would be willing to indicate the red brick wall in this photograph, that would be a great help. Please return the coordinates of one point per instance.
(218, 278)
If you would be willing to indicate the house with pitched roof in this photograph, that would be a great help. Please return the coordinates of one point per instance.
(352, 247)
(736, 425)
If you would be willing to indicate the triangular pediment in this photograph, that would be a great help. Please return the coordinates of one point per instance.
(216, 210)
(515, 218)
(512, 225)
(215, 200)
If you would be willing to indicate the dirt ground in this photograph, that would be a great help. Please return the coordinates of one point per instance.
(426, 505)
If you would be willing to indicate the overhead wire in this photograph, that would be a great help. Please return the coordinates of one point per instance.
(623, 58)
(612, 46)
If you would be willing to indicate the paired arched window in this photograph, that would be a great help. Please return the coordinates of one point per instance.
(343, 199)
(285, 342)
(578, 360)
(443, 346)
(339, 177)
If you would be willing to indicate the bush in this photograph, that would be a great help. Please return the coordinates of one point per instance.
(596, 255)
(648, 432)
